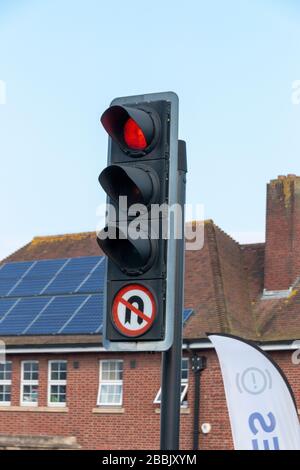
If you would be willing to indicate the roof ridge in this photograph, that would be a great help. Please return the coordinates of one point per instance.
(215, 263)
(263, 324)
(226, 322)
(75, 235)
(251, 304)
(251, 245)
(3, 261)
(226, 234)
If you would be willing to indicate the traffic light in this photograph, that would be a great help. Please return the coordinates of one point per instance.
(141, 183)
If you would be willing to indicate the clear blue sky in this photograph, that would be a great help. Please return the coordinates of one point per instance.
(231, 63)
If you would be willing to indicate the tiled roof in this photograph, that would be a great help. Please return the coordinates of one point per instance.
(223, 285)
(71, 245)
(217, 287)
(279, 319)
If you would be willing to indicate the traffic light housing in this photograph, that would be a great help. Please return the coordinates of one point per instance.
(141, 183)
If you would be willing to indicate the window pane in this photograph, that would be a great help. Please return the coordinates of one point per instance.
(54, 375)
(111, 370)
(63, 371)
(104, 394)
(110, 394)
(8, 368)
(59, 370)
(58, 394)
(30, 371)
(30, 393)
(5, 371)
(185, 369)
(31, 376)
(107, 370)
(31, 366)
(5, 393)
(119, 370)
(112, 375)
(117, 394)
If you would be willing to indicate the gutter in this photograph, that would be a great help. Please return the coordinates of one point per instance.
(289, 345)
(194, 345)
(54, 350)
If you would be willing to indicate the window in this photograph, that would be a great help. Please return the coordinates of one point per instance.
(111, 383)
(57, 383)
(184, 384)
(5, 383)
(185, 370)
(29, 383)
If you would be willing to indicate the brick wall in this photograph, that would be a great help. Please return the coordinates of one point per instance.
(138, 426)
(282, 256)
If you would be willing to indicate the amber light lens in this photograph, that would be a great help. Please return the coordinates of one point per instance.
(134, 136)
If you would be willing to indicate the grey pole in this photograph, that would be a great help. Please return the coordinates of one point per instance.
(171, 359)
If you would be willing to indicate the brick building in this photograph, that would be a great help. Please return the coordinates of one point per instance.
(59, 388)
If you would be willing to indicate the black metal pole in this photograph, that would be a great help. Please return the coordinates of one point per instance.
(198, 365)
(171, 359)
(196, 411)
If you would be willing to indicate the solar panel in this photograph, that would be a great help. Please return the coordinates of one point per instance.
(72, 276)
(95, 281)
(15, 270)
(37, 278)
(10, 274)
(50, 277)
(60, 296)
(6, 306)
(186, 314)
(88, 319)
(54, 317)
(72, 314)
(22, 315)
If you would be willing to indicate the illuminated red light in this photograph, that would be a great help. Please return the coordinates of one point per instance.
(134, 136)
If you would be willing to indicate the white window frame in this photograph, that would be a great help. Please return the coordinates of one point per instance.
(7, 383)
(28, 382)
(56, 382)
(183, 390)
(110, 382)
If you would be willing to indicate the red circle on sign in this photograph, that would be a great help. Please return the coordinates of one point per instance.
(120, 300)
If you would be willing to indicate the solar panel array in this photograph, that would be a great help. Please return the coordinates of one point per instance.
(60, 296)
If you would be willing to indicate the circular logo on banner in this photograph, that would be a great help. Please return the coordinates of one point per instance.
(133, 310)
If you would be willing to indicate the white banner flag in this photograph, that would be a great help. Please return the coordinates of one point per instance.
(261, 406)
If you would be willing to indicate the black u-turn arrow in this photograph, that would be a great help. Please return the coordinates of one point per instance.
(140, 302)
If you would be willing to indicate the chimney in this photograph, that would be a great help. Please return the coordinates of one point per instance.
(282, 255)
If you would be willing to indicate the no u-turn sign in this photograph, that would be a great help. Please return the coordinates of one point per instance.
(133, 310)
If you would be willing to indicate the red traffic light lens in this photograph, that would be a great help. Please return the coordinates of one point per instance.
(134, 136)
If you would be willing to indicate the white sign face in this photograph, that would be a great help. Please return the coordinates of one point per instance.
(261, 408)
(133, 310)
